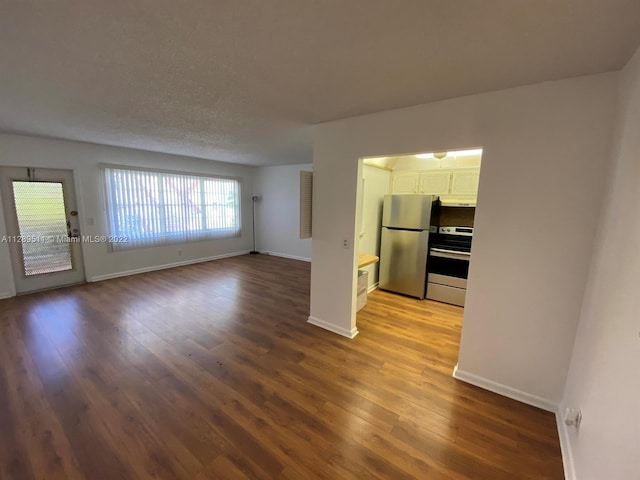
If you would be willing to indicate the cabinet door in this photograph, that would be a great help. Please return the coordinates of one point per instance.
(465, 183)
(435, 183)
(404, 183)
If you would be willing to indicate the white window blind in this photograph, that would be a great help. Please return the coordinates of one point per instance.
(155, 208)
(306, 198)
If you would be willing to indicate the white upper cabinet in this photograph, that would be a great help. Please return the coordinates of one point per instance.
(465, 182)
(437, 182)
(406, 182)
(434, 183)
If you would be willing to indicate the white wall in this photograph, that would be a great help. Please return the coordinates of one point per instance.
(545, 157)
(376, 186)
(83, 159)
(604, 378)
(278, 212)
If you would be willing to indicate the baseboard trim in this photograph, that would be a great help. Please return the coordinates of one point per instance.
(333, 328)
(4, 295)
(504, 390)
(372, 287)
(565, 448)
(126, 273)
(291, 257)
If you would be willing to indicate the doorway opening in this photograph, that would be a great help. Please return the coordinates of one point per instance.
(416, 215)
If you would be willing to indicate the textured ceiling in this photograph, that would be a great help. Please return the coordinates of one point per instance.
(242, 80)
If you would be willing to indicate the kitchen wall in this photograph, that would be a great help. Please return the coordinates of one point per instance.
(374, 187)
(604, 380)
(544, 161)
(84, 160)
(278, 212)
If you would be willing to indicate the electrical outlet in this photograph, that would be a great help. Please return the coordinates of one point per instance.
(345, 243)
(179, 252)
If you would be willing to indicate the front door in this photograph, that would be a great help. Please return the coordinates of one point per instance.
(43, 234)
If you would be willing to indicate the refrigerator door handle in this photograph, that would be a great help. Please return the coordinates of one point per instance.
(405, 229)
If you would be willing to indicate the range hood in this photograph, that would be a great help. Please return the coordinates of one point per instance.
(458, 200)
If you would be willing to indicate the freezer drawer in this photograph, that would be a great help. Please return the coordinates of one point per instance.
(403, 261)
(446, 294)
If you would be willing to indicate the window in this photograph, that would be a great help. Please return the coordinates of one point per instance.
(156, 208)
(42, 218)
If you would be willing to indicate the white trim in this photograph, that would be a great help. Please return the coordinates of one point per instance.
(116, 166)
(333, 328)
(565, 448)
(372, 287)
(284, 255)
(99, 278)
(524, 397)
(4, 295)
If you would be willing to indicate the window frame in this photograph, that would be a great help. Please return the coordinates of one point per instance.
(166, 236)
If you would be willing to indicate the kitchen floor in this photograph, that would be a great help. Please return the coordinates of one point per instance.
(457, 426)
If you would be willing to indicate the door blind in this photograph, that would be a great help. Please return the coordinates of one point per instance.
(42, 222)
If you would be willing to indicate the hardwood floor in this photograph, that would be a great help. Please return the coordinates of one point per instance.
(211, 372)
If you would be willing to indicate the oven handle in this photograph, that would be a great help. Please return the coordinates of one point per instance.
(453, 254)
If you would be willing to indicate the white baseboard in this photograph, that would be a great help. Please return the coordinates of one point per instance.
(4, 295)
(99, 278)
(284, 255)
(506, 391)
(565, 448)
(333, 328)
(372, 287)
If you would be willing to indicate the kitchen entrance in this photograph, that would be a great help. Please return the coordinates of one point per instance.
(416, 214)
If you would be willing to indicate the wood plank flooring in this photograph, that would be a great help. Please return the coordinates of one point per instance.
(211, 372)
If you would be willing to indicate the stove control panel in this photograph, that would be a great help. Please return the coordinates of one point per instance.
(465, 231)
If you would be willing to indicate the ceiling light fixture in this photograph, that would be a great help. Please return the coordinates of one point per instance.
(438, 155)
(467, 153)
(459, 153)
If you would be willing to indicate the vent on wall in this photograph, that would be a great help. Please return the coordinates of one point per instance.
(306, 198)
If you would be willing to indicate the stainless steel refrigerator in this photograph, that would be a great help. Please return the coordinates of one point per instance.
(405, 243)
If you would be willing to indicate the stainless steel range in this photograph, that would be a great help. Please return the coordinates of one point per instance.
(448, 264)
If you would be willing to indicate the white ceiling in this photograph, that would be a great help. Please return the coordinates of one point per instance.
(241, 80)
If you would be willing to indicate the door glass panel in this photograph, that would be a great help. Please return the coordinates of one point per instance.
(42, 224)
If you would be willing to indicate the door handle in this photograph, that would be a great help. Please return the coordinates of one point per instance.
(437, 252)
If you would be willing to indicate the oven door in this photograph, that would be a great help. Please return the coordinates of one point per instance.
(447, 276)
(450, 263)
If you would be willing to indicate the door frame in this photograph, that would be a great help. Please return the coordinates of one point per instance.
(9, 215)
